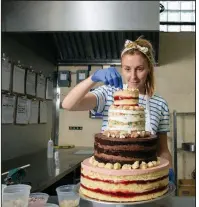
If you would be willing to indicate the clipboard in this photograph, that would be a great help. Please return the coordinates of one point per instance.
(42, 112)
(22, 110)
(41, 85)
(34, 112)
(8, 106)
(49, 89)
(18, 79)
(6, 72)
(31, 82)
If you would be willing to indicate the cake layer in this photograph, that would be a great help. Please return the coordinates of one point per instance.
(124, 151)
(124, 185)
(133, 93)
(105, 140)
(126, 118)
(138, 174)
(116, 98)
(137, 113)
(126, 97)
(129, 102)
(126, 128)
(131, 153)
(130, 108)
(103, 196)
(104, 158)
(126, 134)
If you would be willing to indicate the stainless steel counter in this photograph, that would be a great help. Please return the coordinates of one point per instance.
(174, 201)
(43, 172)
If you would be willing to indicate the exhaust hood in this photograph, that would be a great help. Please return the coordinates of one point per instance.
(80, 31)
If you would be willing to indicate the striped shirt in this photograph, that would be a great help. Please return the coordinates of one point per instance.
(159, 111)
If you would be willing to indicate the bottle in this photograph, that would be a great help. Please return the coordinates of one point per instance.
(50, 149)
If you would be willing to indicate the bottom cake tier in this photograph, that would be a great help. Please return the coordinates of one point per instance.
(124, 185)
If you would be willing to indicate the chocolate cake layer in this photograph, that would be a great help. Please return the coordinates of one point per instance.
(104, 158)
(125, 151)
(126, 147)
(143, 142)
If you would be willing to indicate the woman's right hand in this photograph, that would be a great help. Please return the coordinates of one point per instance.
(109, 76)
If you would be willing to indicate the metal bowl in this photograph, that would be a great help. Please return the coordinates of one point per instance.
(189, 146)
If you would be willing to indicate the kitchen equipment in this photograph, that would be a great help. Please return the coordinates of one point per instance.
(188, 146)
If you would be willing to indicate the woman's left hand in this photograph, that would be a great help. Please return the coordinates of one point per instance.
(171, 175)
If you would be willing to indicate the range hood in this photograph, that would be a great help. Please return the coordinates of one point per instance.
(80, 32)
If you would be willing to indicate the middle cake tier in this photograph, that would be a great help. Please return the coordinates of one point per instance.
(125, 151)
(126, 118)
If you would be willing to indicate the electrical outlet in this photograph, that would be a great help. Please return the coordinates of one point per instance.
(75, 128)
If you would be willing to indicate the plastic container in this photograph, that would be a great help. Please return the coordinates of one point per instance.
(68, 196)
(38, 199)
(51, 205)
(50, 149)
(16, 195)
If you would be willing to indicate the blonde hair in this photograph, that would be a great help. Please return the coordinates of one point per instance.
(143, 47)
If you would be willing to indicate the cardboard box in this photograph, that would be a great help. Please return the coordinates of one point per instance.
(186, 187)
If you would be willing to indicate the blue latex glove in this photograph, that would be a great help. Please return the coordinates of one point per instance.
(171, 175)
(109, 76)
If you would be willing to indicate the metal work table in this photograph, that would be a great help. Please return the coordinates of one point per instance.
(174, 201)
(44, 172)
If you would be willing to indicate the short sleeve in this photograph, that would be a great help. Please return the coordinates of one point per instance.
(101, 96)
(164, 124)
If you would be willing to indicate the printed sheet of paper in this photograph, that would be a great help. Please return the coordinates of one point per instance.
(41, 82)
(22, 114)
(6, 75)
(8, 109)
(18, 80)
(49, 89)
(31, 83)
(34, 112)
(43, 112)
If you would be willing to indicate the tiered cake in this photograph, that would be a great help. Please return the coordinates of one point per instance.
(125, 166)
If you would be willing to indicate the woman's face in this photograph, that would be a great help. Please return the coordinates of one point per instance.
(135, 70)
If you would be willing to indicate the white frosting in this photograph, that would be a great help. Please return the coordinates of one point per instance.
(126, 128)
(127, 118)
(126, 111)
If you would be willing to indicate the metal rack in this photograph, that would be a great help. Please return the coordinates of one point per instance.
(174, 142)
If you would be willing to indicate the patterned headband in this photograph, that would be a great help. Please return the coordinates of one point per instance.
(132, 45)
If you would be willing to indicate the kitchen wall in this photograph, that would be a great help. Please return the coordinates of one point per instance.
(20, 140)
(175, 81)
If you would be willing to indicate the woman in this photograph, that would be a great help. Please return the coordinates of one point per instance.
(138, 72)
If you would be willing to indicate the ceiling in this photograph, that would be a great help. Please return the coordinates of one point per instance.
(64, 48)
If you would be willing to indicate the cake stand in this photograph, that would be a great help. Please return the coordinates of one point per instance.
(171, 190)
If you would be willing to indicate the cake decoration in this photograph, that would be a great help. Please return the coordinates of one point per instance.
(118, 166)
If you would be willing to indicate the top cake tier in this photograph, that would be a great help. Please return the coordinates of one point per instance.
(125, 117)
(129, 97)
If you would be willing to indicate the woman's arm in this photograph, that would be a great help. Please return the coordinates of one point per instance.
(78, 99)
(163, 150)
